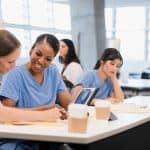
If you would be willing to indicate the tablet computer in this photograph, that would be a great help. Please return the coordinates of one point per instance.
(86, 95)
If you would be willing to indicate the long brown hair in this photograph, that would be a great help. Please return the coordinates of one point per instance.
(8, 42)
(71, 55)
(109, 54)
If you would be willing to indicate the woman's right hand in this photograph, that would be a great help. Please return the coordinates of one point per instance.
(56, 113)
(52, 114)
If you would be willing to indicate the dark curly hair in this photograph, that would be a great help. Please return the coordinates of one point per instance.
(50, 39)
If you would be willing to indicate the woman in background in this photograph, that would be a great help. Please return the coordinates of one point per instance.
(104, 77)
(72, 68)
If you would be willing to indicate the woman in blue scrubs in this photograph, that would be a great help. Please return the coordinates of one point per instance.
(35, 85)
(104, 77)
(9, 53)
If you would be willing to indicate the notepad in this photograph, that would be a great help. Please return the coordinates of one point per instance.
(38, 123)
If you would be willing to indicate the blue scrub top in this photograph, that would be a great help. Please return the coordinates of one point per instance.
(20, 86)
(92, 79)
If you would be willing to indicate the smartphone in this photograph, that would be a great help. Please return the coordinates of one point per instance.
(112, 117)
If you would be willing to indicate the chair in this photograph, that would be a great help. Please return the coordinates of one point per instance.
(68, 84)
(145, 75)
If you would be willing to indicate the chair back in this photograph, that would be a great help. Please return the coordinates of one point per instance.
(68, 84)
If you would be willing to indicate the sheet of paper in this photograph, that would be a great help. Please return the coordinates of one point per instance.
(129, 108)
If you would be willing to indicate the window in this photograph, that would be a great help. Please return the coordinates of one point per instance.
(129, 28)
(40, 13)
(24, 37)
(14, 12)
(62, 16)
(109, 22)
(27, 19)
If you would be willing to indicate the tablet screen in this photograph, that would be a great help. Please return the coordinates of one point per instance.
(86, 95)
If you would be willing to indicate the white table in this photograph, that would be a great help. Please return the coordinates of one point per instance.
(97, 131)
(135, 87)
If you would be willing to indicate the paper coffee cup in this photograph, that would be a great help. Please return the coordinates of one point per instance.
(78, 110)
(78, 119)
(102, 109)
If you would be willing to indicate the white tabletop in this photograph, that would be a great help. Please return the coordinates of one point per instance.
(96, 129)
(136, 83)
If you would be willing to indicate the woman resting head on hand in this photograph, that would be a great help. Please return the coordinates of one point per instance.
(104, 77)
